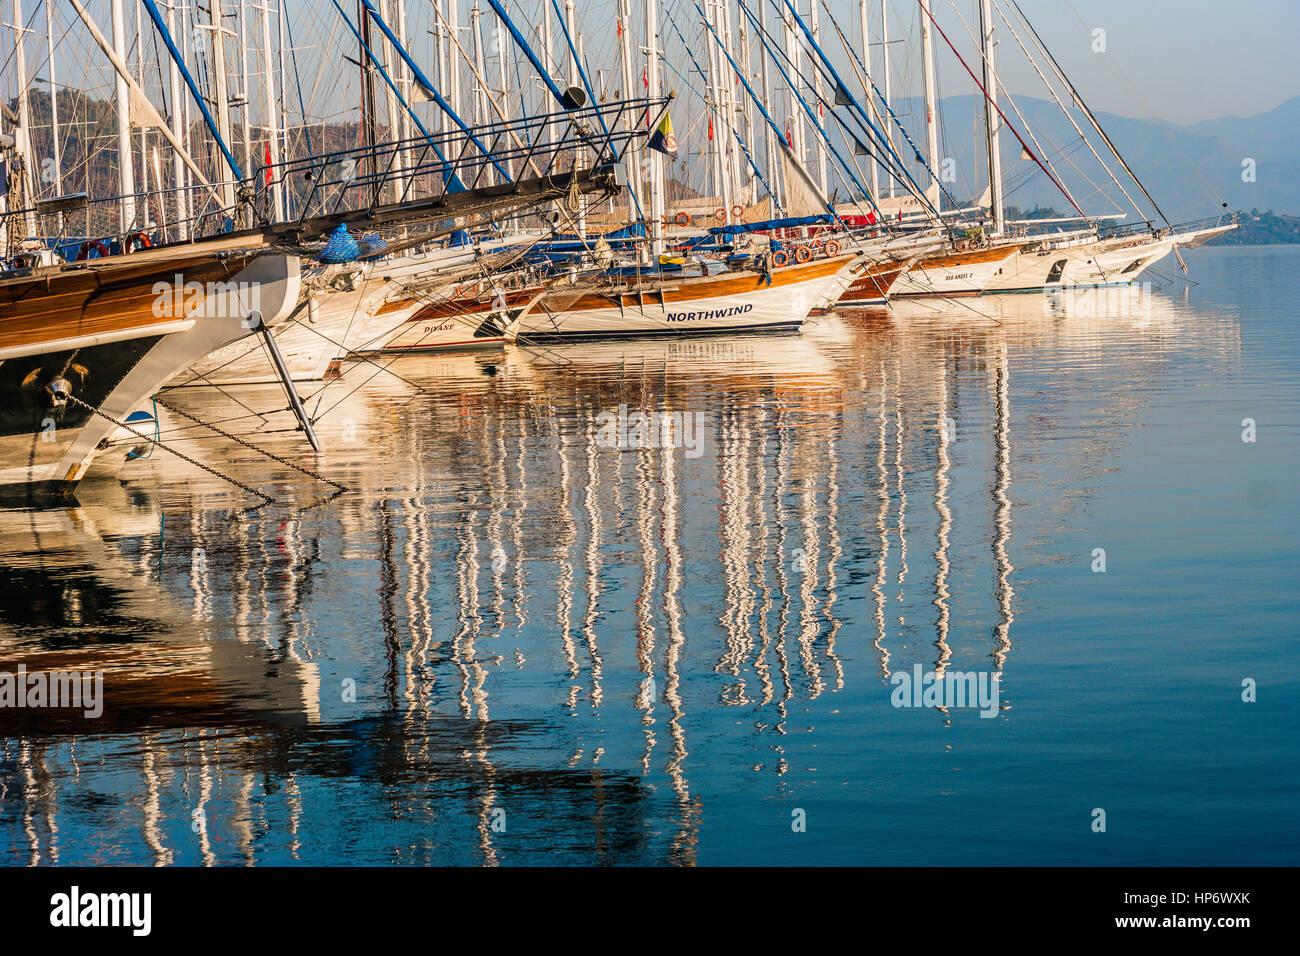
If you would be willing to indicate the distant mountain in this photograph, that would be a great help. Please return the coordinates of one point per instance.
(1182, 167)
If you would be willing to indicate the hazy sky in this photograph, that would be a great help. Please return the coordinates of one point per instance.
(1189, 60)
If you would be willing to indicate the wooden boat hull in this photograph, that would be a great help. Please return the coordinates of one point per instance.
(873, 285)
(960, 273)
(47, 445)
(732, 302)
(353, 309)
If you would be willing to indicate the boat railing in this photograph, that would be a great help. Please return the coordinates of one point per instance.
(495, 158)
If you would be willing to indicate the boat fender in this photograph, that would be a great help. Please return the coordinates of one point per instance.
(136, 241)
(802, 254)
(720, 214)
(737, 211)
(683, 219)
(832, 248)
(780, 258)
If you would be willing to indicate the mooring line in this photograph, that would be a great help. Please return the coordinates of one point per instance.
(261, 451)
(267, 499)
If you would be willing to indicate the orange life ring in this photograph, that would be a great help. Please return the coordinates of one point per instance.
(737, 211)
(779, 258)
(720, 214)
(683, 219)
(84, 252)
(802, 254)
(832, 248)
(136, 237)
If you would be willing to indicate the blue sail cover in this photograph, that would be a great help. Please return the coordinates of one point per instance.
(789, 223)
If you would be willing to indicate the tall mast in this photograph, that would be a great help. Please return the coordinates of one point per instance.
(178, 165)
(480, 94)
(56, 153)
(656, 158)
(625, 72)
(367, 92)
(245, 99)
(987, 44)
(884, 68)
(268, 104)
(931, 128)
(453, 54)
(713, 103)
(822, 157)
(218, 17)
(771, 153)
(866, 67)
(125, 158)
(731, 150)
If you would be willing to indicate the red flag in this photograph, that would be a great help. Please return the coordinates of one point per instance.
(620, 27)
(645, 77)
(268, 163)
(789, 140)
(710, 127)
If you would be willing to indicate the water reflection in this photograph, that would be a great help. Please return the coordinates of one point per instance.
(511, 642)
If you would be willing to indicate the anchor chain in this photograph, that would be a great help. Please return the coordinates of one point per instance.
(181, 455)
(261, 451)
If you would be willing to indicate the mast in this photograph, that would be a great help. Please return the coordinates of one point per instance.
(713, 104)
(245, 99)
(367, 92)
(656, 158)
(931, 128)
(23, 139)
(56, 153)
(625, 72)
(731, 151)
(268, 104)
(178, 165)
(125, 158)
(453, 58)
(770, 151)
(866, 68)
(884, 68)
(987, 44)
(822, 157)
(218, 17)
(480, 102)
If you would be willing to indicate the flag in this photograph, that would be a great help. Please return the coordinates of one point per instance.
(710, 128)
(1025, 153)
(268, 163)
(662, 139)
(620, 27)
(789, 140)
(645, 77)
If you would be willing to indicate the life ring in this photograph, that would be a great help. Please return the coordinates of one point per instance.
(683, 219)
(136, 241)
(737, 211)
(84, 252)
(832, 248)
(802, 254)
(779, 259)
(720, 214)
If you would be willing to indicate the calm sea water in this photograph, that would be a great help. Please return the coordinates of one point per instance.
(510, 643)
